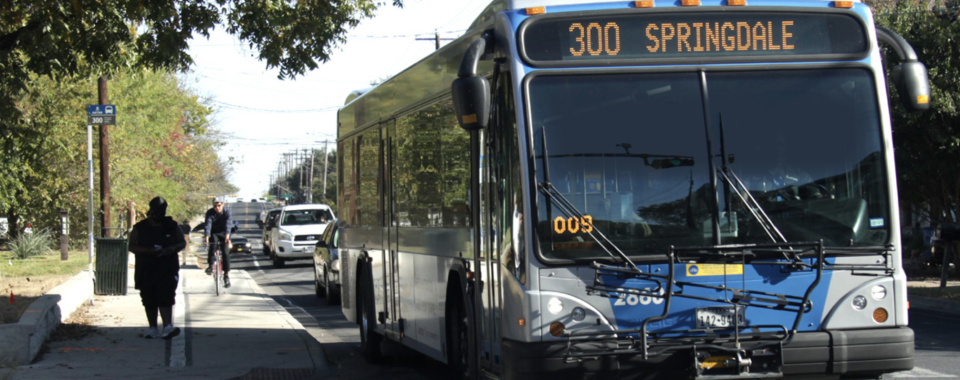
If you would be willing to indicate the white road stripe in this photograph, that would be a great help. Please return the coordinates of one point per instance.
(917, 372)
(178, 350)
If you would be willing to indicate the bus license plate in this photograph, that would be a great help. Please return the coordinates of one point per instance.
(719, 317)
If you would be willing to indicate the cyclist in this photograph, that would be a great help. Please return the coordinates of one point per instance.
(219, 221)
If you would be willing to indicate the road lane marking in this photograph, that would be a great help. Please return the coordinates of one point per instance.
(178, 351)
(918, 372)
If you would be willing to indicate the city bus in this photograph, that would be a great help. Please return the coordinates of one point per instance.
(635, 189)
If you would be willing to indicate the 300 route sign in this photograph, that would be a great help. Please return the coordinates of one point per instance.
(105, 114)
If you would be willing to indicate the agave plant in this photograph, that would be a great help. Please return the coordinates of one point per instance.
(33, 244)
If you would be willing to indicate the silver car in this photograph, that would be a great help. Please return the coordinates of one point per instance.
(326, 265)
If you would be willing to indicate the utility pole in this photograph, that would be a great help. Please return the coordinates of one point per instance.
(104, 163)
(436, 39)
(325, 159)
(310, 179)
(302, 194)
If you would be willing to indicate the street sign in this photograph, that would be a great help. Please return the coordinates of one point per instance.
(103, 109)
(102, 120)
(102, 114)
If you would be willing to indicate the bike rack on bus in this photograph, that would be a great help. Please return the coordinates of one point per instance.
(738, 339)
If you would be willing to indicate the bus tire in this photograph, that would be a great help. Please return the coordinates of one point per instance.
(369, 338)
(458, 337)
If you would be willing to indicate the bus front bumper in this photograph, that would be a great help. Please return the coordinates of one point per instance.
(808, 354)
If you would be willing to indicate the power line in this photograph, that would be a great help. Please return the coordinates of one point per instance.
(244, 108)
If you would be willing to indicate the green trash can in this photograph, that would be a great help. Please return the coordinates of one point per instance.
(111, 267)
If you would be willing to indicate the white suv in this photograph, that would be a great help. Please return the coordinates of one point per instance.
(299, 227)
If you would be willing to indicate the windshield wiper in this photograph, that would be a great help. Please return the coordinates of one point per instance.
(732, 181)
(568, 209)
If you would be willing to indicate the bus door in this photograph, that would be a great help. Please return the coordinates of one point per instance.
(391, 309)
(497, 211)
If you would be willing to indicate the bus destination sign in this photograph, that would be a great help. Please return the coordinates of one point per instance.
(729, 36)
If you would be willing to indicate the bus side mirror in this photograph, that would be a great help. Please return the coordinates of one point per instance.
(912, 84)
(471, 100)
(471, 93)
(910, 76)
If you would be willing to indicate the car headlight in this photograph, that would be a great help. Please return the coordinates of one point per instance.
(335, 265)
(286, 236)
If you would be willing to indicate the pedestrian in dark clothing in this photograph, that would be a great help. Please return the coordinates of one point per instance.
(219, 223)
(156, 241)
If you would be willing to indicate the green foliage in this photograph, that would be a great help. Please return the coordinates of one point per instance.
(66, 40)
(33, 244)
(163, 145)
(927, 144)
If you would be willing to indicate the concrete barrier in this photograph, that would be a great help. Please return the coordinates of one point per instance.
(21, 342)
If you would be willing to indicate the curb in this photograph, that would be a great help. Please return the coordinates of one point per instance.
(21, 342)
(934, 304)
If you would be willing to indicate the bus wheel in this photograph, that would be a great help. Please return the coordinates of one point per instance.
(458, 330)
(369, 339)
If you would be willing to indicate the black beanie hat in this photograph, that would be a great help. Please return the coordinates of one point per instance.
(158, 207)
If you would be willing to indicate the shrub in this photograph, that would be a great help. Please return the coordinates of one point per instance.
(33, 244)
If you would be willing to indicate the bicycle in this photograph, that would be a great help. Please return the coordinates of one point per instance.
(217, 265)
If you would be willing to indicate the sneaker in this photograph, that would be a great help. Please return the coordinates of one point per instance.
(226, 282)
(153, 333)
(170, 332)
(209, 271)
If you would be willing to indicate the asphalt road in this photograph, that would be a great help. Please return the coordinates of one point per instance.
(293, 287)
(937, 334)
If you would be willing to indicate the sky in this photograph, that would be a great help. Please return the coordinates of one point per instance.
(262, 117)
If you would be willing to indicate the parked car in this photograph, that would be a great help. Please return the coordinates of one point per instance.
(269, 225)
(253, 200)
(299, 227)
(326, 265)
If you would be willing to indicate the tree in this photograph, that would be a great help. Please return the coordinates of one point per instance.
(67, 38)
(927, 144)
(165, 146)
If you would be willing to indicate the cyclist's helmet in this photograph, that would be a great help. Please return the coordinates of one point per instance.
(218, 200)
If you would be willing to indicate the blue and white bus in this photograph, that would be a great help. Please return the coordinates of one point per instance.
(635, 189)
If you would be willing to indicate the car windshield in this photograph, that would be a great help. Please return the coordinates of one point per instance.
(629, 153)
(302, 217)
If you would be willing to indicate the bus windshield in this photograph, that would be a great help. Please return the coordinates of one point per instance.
(630, 153)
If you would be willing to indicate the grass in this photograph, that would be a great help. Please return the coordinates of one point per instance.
(30, 278)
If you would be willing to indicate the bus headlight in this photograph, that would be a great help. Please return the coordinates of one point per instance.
(878, 292)
(578, 314)
(859, 302)
(335, 265)
(555, 306)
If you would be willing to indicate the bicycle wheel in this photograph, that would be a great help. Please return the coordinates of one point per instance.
(216, 271)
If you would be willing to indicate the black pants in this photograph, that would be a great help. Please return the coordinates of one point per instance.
(162, 292)
(224, 252)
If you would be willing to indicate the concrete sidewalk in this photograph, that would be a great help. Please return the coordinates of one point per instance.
(242, 334)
